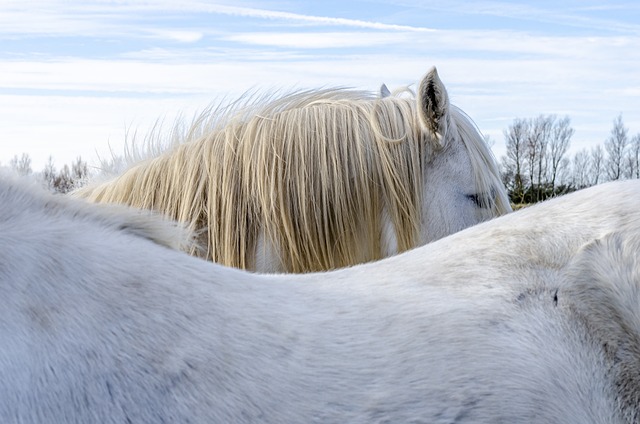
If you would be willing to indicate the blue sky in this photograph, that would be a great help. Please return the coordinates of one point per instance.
(76, 75)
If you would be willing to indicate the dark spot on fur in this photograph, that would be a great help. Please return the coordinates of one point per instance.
(537, 295)
(109, 390)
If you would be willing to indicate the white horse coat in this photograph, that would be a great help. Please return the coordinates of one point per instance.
(530, 318)
(319, 180)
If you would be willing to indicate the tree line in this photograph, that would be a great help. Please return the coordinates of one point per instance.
(537, 165)
(63, 180)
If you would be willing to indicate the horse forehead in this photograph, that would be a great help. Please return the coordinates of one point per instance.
(453, 156)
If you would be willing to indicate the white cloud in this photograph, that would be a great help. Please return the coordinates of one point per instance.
(319, 40)
(322, 20)
(179, 35)
(561, 14)
(495, 76)
(107, 17)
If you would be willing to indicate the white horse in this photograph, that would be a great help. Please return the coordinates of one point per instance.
(530, 318)
(319, 180)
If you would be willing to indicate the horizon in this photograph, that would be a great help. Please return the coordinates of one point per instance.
(77, 76)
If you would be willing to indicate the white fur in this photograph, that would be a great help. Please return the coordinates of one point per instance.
(530, 318)
(399, 171)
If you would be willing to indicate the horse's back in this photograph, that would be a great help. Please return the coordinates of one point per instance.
(103, 323)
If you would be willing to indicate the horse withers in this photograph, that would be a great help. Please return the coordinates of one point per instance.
(530, 318)
(319, 179)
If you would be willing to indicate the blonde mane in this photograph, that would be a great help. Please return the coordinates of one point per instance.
(312, 173)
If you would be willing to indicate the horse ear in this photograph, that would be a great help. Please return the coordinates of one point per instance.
(384, 91)
(433, 104)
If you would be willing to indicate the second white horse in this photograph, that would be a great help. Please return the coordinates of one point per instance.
(530, 318)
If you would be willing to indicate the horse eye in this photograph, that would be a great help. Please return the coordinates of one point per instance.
(475, 198)
(481, 200)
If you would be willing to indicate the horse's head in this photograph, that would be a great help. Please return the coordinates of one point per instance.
(320, 179)
(461, 183)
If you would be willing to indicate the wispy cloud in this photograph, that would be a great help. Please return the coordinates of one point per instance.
(104, 64)
(322, 20)
(104, 17)
(319, 40)
(182, 36)
(561, 14)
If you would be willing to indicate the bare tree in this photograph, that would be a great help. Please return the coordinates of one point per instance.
(535, 154)
(49, 174)
(548, 143)
(558, 146)
(633, 158)
(581, 177)
(79, 172)
(597, 164)
(21, 165)
(63, 182)
(564, 178)
(616, 146)
(536, 148)
(514, 162)
(68, 178)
